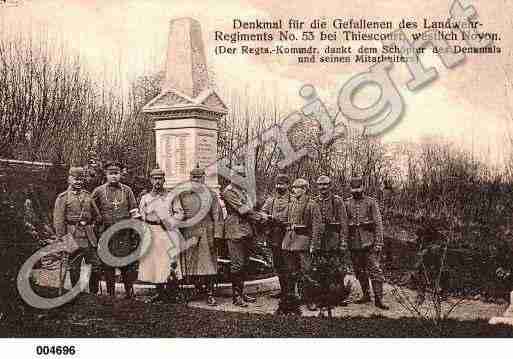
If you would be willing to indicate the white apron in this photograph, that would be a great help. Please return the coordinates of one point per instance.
(155, 264)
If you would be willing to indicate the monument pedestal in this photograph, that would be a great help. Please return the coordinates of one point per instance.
(183, 144)
(507, 316)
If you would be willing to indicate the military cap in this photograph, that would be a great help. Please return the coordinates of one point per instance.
(301, 182)
(76, 171)
(112, 164)
(323, 180)
(157, 172)
(282, 178)
(197, 171)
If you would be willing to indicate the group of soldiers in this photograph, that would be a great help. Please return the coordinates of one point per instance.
(309, 237)
(85, 215)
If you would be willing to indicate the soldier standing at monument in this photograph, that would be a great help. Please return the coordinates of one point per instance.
(199, 262)
(276, 207)
(302, 238)
(159, 264)
(365, 242)
(333, 244)
(239, 233)
(116, 202)
(75, 214)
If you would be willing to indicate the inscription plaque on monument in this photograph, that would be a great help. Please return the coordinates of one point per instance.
(174, 155)
(206, 149)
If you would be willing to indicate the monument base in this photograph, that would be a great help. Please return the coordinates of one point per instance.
(257, 286)
(507, 316)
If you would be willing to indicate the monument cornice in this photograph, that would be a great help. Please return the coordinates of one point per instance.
(199, 112)
(181, 128)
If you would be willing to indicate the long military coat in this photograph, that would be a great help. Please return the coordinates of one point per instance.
(200, 255)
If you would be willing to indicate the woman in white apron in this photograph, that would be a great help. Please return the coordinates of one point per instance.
(159, 211)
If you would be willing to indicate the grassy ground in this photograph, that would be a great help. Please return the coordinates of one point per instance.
(90, 316)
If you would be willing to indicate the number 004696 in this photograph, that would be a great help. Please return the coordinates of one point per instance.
(55, 350)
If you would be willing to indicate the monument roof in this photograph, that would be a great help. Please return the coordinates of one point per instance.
(172, 99)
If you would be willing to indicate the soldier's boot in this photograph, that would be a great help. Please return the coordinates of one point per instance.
(364, 283)
(211, 300)
(172, 293)
(94, 283)
(110, 280)
(74, 275)
(282, 288)
(295, 308)
(346, 291)
(161, 293)
(245, 297)
(237, 287)
(377, 287)
(128, 283)
(129, 289)
(111, 287)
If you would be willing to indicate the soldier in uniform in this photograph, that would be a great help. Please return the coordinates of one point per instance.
(75, 213)
(116, 202)
(365, 242)
(302, 238)
(199, 262)
(276, 207)
(333, 243)
(239, 232)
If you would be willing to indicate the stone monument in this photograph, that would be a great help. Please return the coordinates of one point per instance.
(185, 114)
(186, 111)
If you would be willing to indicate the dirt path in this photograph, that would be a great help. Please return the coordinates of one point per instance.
(467, 310)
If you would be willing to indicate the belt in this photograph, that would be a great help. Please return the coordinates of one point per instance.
(155, 223)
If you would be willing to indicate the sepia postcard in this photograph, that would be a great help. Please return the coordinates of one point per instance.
(254, 169)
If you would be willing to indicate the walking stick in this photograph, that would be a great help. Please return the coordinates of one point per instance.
(62, 272)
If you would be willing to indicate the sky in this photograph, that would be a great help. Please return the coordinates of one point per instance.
(468, 103)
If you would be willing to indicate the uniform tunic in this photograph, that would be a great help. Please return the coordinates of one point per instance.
(115, 203)
(238, 206)
(74, 214)
(277, 207)
(333, 211)
(155, 264)
(364, 236)
(201, 257)
(238, 229)
(71, 208)
(303, 211)
(365, 225)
